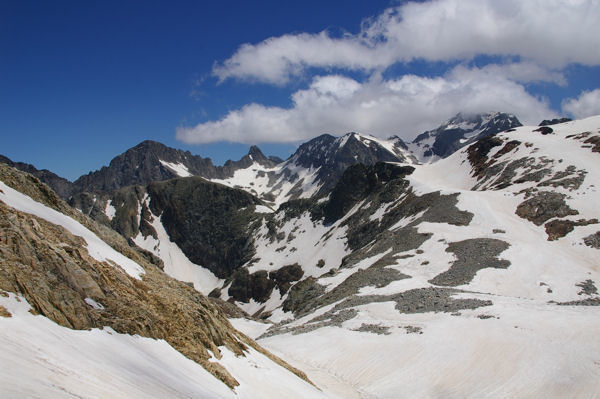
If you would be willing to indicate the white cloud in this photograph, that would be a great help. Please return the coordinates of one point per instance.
(550, 33)
(587, 104)
(406, 106)
(526, 72)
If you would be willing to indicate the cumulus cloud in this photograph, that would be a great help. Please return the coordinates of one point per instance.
(547, 33)
(587, 104)
(405, 106)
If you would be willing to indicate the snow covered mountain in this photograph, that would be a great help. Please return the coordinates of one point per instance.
(384, 277)
(448, 279)
(314, 169)
(459, 131)
(152, 161)
(82, 314)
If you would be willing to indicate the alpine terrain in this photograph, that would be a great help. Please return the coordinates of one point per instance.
(465, 263)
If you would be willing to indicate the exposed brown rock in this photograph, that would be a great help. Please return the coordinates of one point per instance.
(559, 228)
(595, 142)
(4, 312)
(508, 147)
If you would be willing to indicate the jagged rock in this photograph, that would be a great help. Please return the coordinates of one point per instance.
(61, 186)
(332, 156)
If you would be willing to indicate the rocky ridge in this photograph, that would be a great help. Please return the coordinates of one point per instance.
(52, 270)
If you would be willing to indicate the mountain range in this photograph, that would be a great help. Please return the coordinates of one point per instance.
(444, 267)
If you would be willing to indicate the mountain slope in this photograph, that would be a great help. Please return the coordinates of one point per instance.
(64, 268)
(465, 271)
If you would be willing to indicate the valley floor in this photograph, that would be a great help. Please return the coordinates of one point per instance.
(516, 348)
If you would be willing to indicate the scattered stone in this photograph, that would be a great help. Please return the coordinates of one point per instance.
(571, 178)
(584, 302)
(420, 300)
(587, 288)
(413, 330)
(498, 231)
(374, 328)
(544, 206)
(472, 256)
(485, 316)
(593, 240)
(321, 263)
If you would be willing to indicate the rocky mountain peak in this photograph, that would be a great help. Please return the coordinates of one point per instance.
(460, 130)
(257, 155)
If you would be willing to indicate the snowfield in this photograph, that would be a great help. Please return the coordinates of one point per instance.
(42, 359)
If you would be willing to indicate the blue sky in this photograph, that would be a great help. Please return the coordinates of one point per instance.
(80, 82)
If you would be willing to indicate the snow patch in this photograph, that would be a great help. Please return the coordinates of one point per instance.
(178, 168)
